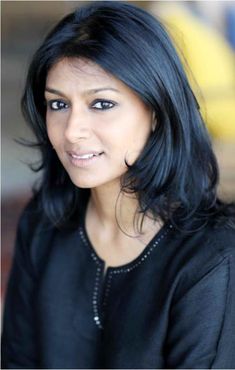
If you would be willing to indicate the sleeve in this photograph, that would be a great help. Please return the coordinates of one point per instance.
(202, 322)
(19, 349)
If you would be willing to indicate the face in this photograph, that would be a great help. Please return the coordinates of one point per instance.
(94, 121)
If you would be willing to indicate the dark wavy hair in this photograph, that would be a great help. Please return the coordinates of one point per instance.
(176, 175)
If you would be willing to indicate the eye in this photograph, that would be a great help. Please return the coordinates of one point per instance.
(103, 104)
(57, 105)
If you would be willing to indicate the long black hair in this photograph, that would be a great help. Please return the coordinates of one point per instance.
(176, 175)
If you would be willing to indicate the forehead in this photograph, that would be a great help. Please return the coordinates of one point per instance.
(78, 76)
(71, 69)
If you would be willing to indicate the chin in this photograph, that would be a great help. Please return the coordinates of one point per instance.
(86, 183)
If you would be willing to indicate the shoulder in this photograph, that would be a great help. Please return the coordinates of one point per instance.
(217, 247)
(34, 235)
(33, 219)
(205, 243)
(37, 235)
(219, 239)
(207, 252)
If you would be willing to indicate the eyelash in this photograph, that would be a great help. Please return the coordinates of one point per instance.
(61, 105)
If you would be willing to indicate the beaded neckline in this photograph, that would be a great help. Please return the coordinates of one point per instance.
(154, 242)
(98, 312)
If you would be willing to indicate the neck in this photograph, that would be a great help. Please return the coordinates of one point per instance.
(107, 206)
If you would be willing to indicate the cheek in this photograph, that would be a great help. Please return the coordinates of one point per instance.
(125, 145)
(136, 131)
(136, 139)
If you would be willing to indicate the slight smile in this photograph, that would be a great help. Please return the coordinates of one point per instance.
(85, 159)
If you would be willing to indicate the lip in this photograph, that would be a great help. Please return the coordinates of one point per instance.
(84, 162)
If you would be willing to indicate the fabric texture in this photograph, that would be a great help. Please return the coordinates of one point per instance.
(172, 307)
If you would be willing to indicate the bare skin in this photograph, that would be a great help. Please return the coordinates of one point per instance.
(114, 121)
(111, 244)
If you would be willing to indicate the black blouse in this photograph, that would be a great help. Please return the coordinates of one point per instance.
(171, 307)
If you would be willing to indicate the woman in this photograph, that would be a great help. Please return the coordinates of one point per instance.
(125, 255)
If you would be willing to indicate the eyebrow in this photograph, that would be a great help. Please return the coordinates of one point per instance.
(87, 92)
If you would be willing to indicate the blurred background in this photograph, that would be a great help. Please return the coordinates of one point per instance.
(203, 32)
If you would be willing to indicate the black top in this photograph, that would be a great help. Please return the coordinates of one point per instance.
(172, 307)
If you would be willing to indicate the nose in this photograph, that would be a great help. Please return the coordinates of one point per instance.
(77, 126)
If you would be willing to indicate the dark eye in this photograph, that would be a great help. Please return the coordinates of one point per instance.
(103, 104)
(57, 105)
